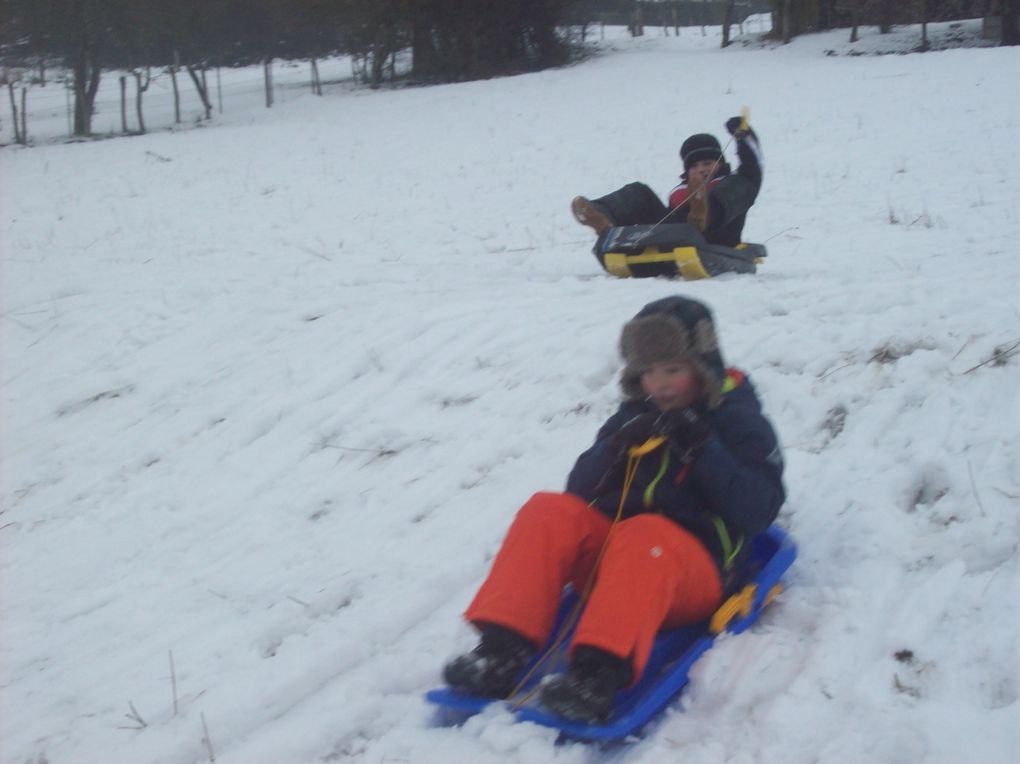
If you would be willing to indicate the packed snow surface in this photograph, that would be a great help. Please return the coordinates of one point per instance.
(274, 389)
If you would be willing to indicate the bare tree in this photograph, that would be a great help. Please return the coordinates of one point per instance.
(20, 131)
(727, 22)
(1010, 22)
(923, 9)
(141, 85)
(197, 74)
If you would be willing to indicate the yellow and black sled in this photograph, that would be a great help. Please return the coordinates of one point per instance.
(677, 249)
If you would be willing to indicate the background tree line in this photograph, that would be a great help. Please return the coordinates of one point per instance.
(793, 17)
(448, 40)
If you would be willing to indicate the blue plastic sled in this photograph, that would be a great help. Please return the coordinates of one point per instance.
(671, 659)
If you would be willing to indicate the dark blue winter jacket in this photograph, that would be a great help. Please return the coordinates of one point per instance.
(730, 493)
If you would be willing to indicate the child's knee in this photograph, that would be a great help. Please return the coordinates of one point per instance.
(551, 506)
(646, 528)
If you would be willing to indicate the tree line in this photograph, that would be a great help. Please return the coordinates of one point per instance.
(450, 40)
(794, 17)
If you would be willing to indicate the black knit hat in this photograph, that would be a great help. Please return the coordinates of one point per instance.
(674, 329)
(698, 147)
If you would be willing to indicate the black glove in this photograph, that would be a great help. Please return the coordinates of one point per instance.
(634, 432)
(685, 430)
(733, 127)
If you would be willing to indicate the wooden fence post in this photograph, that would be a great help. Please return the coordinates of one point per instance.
(267, 70)
(177, 93)
(123, 104)
(316, 82)
(24, 114)
(14, 111)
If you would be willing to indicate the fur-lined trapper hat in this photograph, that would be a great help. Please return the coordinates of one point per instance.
(674, 329)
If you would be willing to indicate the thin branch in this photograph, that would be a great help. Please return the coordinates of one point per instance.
(998, 355)
(974, 490)
(376, 451)
(173, 680)
(965, 344)
(207, 741)
(833, 371)
(785, 230)
(136, 717)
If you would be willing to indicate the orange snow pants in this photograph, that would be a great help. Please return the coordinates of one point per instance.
(654, 575)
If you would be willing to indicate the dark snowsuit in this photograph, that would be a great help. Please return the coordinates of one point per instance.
(730, 197)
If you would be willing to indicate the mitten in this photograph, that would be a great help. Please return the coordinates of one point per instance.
(685, 430)
(634, 432)
(734, 127)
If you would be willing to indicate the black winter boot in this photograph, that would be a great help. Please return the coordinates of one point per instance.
(585, 693)
(492, 669)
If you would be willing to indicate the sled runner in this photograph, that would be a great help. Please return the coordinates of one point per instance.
(674, 653)
(676, 249)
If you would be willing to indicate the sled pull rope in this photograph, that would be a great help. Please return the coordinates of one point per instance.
(745, 115)
(634, 455)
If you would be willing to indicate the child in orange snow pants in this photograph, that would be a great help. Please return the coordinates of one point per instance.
(653, 575)
(655, 524)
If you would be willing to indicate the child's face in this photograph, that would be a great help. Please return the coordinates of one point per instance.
(702, 169)
(671, 385)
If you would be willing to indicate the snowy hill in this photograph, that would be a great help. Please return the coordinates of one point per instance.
(273, 390)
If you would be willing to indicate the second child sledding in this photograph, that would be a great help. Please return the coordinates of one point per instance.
(652, 530)
(699, 233)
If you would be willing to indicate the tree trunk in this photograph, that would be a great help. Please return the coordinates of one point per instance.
(24, 115)
(177, 93)
(884, 16)
(787, 21)
(14, 111)
(316, 82)
(267, 69)
(123, 104)
(376, 59)
(203, 92)
(924, 25)
(423, 49)
(637, 27)
(86, 85)
(727, 21)
(139, 89)
(854, 18)
(1010, 22)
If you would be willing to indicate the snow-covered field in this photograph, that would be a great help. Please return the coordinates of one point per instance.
(273, 390)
